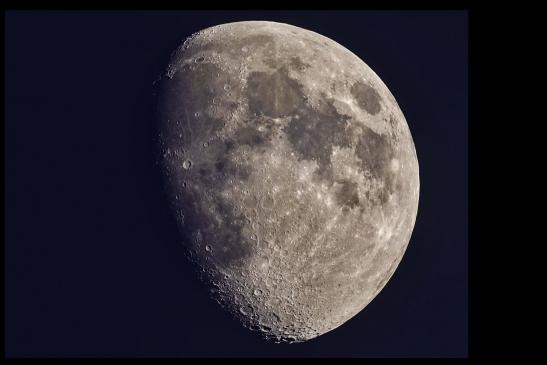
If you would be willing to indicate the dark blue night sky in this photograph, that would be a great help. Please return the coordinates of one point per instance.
(93, 265)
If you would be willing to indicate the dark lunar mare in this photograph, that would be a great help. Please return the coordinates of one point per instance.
(317, 130)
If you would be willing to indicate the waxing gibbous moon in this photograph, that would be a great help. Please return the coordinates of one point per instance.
(291, 171)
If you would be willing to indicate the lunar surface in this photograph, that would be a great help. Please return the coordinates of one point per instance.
(291, 171)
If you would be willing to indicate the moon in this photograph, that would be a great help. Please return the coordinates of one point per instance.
(291, 172)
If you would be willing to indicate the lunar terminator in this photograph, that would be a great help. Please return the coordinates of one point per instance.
(291, 171)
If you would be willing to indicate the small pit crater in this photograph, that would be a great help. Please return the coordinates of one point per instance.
(187, 164)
